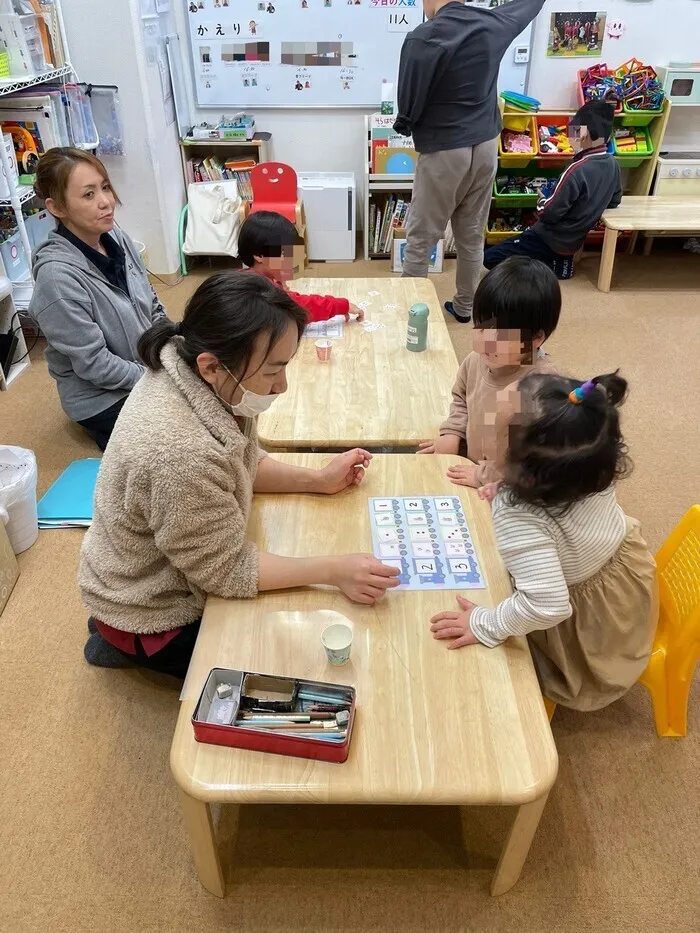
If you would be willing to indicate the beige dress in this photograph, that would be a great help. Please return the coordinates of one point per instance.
(594, 657)
(584, 593)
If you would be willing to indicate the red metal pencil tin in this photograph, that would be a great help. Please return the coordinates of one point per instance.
(283, 715)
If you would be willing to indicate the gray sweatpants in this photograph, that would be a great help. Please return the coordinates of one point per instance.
(454, 184)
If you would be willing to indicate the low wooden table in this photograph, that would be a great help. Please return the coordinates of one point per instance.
(374, 391)
(433, 726)
(657, 216)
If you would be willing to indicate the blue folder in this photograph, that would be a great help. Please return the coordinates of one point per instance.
(68, 503)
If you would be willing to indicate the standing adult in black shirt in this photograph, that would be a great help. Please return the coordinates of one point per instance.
(448, 102)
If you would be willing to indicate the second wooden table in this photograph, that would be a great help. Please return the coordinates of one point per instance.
(373, 392)
(434, 726)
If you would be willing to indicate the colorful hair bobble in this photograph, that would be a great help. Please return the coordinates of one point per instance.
(579, 394)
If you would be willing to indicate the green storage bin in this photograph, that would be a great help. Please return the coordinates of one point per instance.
(522, 200)
(513, 200)
(635, 159)
(632, 117)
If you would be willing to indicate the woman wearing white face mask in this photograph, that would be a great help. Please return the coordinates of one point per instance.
(176, 483)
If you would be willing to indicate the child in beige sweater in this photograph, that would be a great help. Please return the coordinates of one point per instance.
(516, 308)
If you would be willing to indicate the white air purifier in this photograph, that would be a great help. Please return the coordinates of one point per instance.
(329, 205)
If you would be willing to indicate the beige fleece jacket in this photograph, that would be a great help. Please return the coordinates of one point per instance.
(483, 404)
(172, 504)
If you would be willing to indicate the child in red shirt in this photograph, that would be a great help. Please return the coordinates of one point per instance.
(266, 245)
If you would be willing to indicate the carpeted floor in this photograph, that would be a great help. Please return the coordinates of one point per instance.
(90, 833)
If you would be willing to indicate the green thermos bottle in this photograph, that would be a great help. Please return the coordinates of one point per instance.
(417, 338)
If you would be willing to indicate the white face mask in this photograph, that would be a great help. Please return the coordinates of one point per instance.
(250, 405)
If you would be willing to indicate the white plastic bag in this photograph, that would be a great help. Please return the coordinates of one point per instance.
(18, 475)
(213, 219)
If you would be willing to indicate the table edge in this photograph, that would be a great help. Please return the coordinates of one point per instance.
(305, 795)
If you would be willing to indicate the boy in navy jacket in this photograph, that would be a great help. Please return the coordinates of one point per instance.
(588, 187)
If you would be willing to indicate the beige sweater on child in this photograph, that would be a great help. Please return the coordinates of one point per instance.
(172, 504)
(483, 404)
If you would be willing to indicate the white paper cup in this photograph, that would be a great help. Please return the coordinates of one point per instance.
(337, 640)
(323, 350)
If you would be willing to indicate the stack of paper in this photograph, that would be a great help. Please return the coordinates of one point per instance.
(68, 503)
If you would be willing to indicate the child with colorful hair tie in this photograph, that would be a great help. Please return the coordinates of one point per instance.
(584, 580)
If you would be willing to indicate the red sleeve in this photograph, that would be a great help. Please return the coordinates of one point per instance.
(321, 307)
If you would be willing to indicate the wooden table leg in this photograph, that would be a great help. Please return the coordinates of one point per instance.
(203, 841)
(648, 245)
(517, 845)
(607, 260)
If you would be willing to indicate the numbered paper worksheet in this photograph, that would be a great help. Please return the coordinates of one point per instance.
(332, 328)
(428, 539)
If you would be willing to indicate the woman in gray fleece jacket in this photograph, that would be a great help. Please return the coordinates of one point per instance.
(176, 483)
(92, 297)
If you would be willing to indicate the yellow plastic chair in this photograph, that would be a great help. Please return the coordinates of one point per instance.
(550, 707)
(677, 642)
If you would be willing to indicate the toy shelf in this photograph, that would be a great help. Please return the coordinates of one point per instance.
(637, 179)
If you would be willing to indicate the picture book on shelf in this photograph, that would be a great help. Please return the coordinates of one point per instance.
(213, 168)
(382, 224)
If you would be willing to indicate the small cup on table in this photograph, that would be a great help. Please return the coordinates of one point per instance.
(337, 640)
(323, 350)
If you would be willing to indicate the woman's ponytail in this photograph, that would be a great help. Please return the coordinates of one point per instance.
(153, 340)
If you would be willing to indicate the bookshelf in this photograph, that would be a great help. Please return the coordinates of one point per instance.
(258, 149)
(378, 190)
(16, 296)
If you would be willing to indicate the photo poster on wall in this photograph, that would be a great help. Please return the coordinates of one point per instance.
(576, 34)
(296, 53)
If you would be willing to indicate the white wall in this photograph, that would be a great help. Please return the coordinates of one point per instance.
(658, 32)
(106, 47)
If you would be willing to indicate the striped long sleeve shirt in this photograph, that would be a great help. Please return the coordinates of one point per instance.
(545, 556)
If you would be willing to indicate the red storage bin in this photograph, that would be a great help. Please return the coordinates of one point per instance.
(553, 159)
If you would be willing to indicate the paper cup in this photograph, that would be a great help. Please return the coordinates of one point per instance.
(323, 350)
(337, 640)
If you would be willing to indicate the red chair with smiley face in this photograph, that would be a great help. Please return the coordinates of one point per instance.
(275, 188)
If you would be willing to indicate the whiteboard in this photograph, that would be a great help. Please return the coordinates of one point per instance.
(296, 53)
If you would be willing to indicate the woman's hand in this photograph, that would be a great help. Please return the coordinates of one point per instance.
(455, 625)
(362, 578)
(353, 309)
(345, 470)
(462, 475)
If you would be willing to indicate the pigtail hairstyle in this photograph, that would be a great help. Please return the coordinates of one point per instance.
(566, 443)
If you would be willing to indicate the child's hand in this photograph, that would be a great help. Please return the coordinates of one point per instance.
(446, 444)
(462, 475)
(455, 625)
(353, 309)
(488, 492)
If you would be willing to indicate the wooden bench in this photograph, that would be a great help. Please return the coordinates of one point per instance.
(656, 216)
